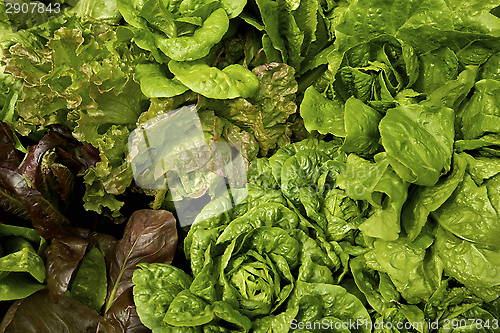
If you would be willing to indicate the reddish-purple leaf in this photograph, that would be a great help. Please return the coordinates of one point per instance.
(9, 315)
(122, 317)
(38, 314)
(65, 179)
(14, 191)
(71, 153)
(150, 236)
(9, 156)
(63, 256)
(9, 201)
(31, 164)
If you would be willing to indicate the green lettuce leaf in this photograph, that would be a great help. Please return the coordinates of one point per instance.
(477, 222)
(419, 142)
(154, 82)
(197, 46)
(89, 285)
(321, 114)
(472, 265)
(361, 127)
(153, 300)
(363, 180)
(233, 81)
(481, 114)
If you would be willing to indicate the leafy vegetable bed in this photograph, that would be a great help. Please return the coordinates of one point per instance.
(368, 132)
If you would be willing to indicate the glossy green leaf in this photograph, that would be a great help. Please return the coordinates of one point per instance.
(155, 287)
(233, 8)
(363, 180)
(89, 282)
(187, 309)
(361, 127)
(154, 83)
(476, 267)
(425, 199)
(21, 257)
(490, 69)
(225, 312)
(419, 141)
(26, 233)
(436, 69)
(233, 81)
(269, 12)
(478, 219)
(481, 114)
(130, 10)
(322, 114)
(366, 280)
(199, 44)
(17, 286)
(371, 18)
(317, 301)
(106, 11)
(404, 264)
(263, 215)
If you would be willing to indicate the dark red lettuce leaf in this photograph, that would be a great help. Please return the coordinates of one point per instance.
(149, 236)
(31, 164)
(63, 256)
(38, 314)
(26, 191)
(122, 317)
(84, 156)
(17, 197)
(9, 156)
(77, 157)
(9, 202)
(65, 253)
(65, 179)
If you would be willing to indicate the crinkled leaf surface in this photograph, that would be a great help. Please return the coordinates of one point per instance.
(322, 114)
(188, 48)
(17, 286)
(481, 114)
(419, 142)
(425, 199)
(231, 82)
(155, 287)
(154, 82)
(478, 219)
(404, 263)
(474, 266)
(364, 180)
(361, 128)
(326, 300)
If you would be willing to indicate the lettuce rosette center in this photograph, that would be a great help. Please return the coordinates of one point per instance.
(256, 281)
